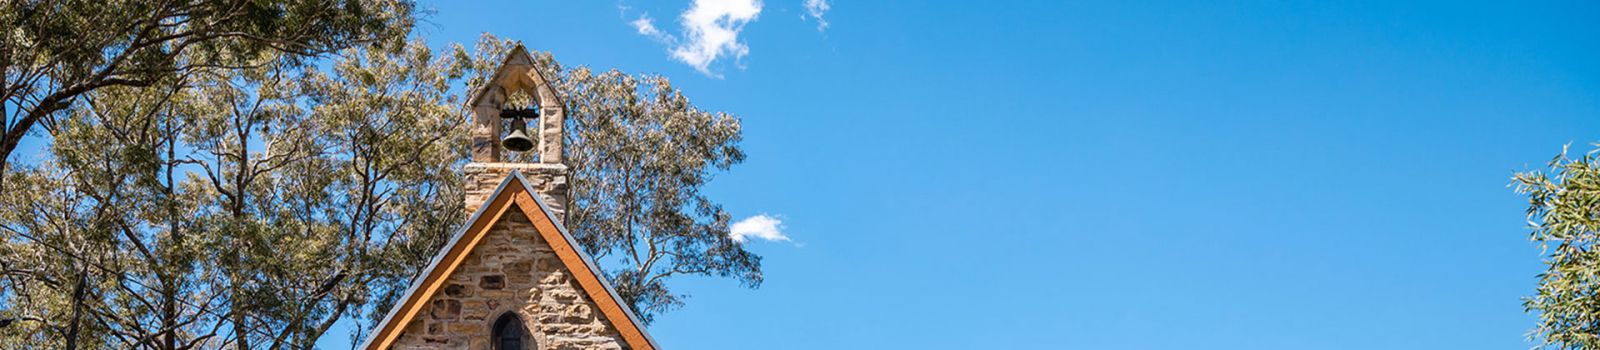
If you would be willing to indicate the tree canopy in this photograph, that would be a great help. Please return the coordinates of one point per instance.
(250, 208)
(56, 51)
(1564, 217)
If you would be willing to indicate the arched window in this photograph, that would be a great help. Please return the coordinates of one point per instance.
(508, 332)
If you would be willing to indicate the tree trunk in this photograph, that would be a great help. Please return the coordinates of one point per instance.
(71, 342)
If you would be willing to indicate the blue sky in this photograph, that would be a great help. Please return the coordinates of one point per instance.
(1114, 174)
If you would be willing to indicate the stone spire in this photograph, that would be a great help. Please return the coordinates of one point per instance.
(548, 176)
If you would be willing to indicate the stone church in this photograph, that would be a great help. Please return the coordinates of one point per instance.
(512, 277)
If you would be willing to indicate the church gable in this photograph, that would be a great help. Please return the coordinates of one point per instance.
(513, 270)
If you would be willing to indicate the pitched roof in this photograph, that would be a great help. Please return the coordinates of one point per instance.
(512, 193)
(517, 71)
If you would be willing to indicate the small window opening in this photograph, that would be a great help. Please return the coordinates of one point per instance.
(508, 332)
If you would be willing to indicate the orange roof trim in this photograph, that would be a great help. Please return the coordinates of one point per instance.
(513, 194)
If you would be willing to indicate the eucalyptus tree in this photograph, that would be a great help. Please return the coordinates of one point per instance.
(82, 268)
(240, 208)
(1564, 217)
(56, 51)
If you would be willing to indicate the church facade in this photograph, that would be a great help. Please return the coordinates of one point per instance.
(512, 277)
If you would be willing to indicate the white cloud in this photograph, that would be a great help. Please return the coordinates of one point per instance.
(815, 9)
(647, 27)
(761, 226)
(711, 32)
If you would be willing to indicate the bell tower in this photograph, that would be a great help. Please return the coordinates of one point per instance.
(535, 127)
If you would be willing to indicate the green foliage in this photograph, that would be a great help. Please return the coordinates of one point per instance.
(240, 208)
(54, 52)
(1564, 215)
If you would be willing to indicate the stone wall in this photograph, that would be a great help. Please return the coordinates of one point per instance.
(511, 270)
(548, 180)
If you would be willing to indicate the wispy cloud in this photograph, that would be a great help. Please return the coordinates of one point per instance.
(815, 9)
(762, 226)
(710, 33)
(647, 27)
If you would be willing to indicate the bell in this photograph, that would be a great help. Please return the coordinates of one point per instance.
(517, 140)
